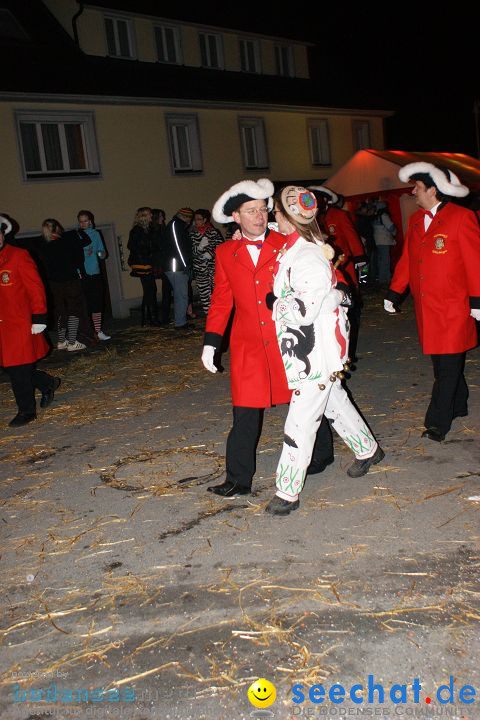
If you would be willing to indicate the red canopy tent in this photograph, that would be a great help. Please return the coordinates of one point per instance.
(374, 174)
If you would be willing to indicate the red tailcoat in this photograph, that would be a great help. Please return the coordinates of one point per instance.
(257, 374)
(346, 240)
(442, 267)
(22, 302)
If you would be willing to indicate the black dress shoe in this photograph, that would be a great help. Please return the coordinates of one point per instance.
(361, 467)
(433, 433)
(229, 490)
(48, 395)
(22, 419)
(279, 506)
(318, 467)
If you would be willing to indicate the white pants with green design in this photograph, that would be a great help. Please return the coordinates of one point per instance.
(309, 403)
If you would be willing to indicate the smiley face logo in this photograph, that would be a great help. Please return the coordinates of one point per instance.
(262, 693)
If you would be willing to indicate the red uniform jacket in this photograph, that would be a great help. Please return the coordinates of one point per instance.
(257, 374)
(22, 302)
(346, 240)
(442, 267)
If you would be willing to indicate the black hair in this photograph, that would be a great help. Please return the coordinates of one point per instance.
(427, 180)
(88, 214)
(206, 214)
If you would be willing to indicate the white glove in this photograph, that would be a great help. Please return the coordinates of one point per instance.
(331, 301)
(475, 313)
(37, 328)
(203, 243)
(388, 306)
(207, 358)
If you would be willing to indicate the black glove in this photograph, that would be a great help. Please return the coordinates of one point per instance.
(348, 300)
(270, 299)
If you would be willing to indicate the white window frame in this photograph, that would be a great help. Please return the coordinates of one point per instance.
(189, 123)
(287, 70)
(219, 44)
(243, 48)
(161, 28)
(60, 118)
(362, 136)
(115, 19)
(253, 127)
(319, 142)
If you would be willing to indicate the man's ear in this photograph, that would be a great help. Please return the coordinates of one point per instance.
(236, 217)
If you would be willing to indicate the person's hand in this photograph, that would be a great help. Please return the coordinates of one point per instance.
(207, 358)
(475, 313)
(237, 235)
(38, 328)
(203, 243)
(332, 300)
(388, 306)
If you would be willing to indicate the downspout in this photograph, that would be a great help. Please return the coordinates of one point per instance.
(74, 23)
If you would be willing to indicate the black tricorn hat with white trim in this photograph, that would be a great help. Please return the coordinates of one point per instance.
(332, 197)
(444, 180)
(5, 225)
(240, 193)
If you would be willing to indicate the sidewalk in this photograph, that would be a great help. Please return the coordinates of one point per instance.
(121, 571)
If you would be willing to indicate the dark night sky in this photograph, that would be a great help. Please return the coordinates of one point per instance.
(419, 60)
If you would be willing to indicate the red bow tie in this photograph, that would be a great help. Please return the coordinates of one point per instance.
(428, 213)
(257, 243)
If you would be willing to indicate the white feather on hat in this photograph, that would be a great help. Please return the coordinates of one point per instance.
(5, 221)
(325, 191)
(245, 191)
(452, 187)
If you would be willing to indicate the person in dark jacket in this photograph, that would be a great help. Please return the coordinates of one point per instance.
(158, 223)
(177, 258)
(61, 256)
(143, 245)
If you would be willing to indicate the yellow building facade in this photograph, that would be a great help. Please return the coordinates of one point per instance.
(111, 154)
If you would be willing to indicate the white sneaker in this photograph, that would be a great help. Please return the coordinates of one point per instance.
(102, 336)
(73, 347)
(62, 345)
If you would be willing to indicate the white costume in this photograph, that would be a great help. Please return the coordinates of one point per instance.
(312, 331)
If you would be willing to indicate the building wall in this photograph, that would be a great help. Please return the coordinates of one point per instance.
(136, 169)
(91, 33)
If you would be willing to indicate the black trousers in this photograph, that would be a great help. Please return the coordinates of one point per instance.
(243, 439)
(449, 393)
(167, 294)
(149, 287)
(25, 379)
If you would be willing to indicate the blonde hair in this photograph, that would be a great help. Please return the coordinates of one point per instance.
(310, 232)
(141, 217)
(51, 227)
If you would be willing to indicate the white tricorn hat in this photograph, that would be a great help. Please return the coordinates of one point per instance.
(325, 191)
(240, 193)
(8, 225)
(445, 180)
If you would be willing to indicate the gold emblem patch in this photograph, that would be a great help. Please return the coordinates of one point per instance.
(439, 244)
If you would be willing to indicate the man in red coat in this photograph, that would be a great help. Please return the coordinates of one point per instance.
(243, 277)
(23, 318)
(440, 262)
